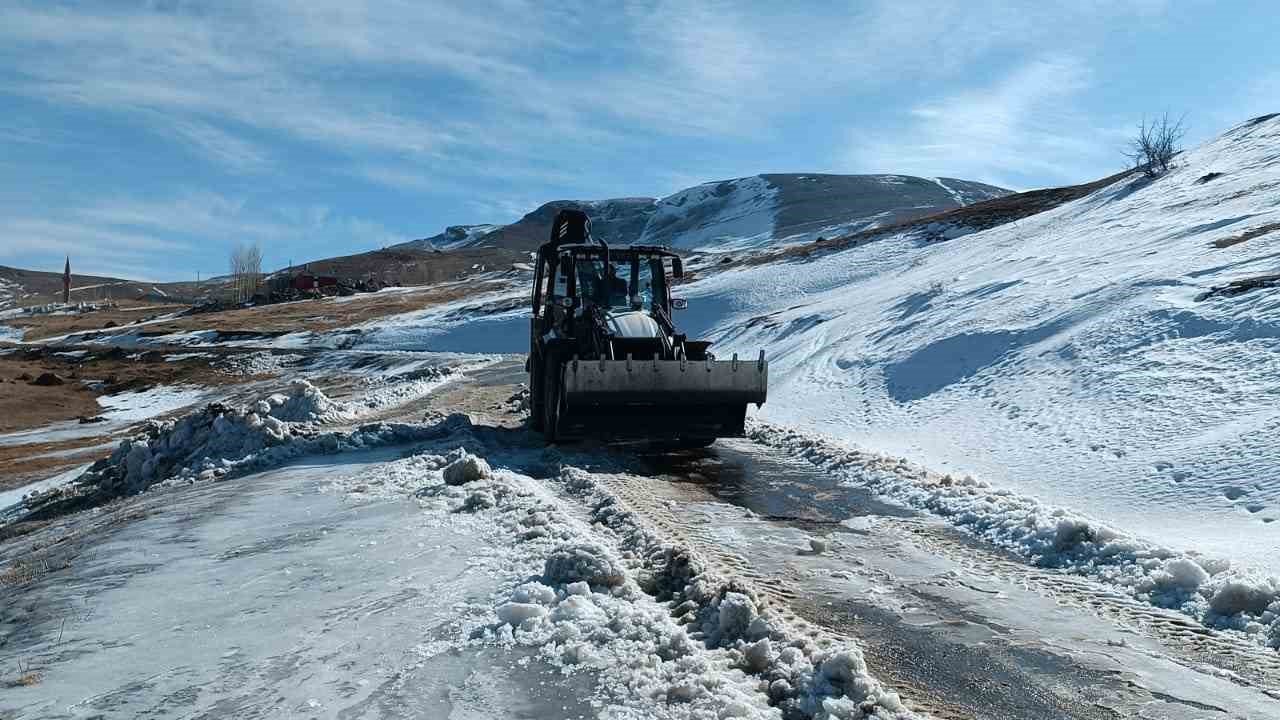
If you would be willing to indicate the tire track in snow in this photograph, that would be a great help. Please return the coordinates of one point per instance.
(1187, 642)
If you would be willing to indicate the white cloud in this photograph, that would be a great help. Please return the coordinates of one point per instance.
(35, 233)
(218, 145)
(177, 236)
(517, 76)
(92, 248)
(193, 213)
(1024, 125)
(504, 104)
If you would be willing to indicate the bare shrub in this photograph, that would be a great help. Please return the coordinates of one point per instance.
(246, 271)
(1152, 150)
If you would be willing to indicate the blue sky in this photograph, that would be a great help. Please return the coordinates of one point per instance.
(145, 139)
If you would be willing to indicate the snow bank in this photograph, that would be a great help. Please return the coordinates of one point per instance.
(588, 563)
(397, 389)
(594, 591)
(303, 403)
(218, 442)
(1211, 591)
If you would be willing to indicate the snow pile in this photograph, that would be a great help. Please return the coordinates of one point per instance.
(572, 563)
(1211, 591)
(303, 403)
(11, 334)
(394, 390)
(647, 619)
(218, 441)
(466, 469)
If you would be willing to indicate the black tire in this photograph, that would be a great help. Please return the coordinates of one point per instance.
(551, 401)
(536, 421)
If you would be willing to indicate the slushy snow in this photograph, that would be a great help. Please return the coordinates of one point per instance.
(591, 590)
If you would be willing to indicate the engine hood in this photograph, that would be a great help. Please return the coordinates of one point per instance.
(633, 324)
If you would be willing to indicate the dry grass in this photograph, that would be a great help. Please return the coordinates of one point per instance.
(21, 572)
(27, 677)
(30, 678)
(1246, 235)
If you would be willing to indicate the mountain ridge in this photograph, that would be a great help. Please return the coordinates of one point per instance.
(750, 211)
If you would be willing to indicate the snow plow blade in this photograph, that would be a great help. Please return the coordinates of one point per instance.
(672, 399)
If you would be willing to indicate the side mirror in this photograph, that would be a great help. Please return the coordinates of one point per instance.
(677, 267)
(679, 304)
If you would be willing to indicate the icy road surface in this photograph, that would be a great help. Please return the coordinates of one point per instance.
(266, 597)
(363, 585)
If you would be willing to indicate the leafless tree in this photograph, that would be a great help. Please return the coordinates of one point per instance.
(246, 271)
(1152, 150)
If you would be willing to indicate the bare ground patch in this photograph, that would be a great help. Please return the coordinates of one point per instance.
(1246, 235)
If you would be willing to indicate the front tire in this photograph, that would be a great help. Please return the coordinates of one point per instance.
(536, 403)
(551, 401)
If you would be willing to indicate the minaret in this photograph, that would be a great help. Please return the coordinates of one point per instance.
(66, 283)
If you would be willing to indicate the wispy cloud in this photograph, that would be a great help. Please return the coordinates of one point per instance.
(328, 125)
(96, 250)
(186, 233)
(220, 146)
(1024, 125)
(195, 213)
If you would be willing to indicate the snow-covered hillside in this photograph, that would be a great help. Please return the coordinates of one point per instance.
(732, 212)
(764, 209)
(729, 215)
(453, 237)
(1081, 356)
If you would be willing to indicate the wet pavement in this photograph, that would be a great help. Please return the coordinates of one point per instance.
(960, 627)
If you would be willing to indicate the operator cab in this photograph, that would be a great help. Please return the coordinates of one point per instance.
(605, 302)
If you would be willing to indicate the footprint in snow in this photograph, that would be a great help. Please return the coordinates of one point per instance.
(1232, 492)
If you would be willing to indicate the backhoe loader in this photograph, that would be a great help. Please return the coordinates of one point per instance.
(607, 361)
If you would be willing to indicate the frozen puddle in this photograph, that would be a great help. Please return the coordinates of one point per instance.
(265, 597)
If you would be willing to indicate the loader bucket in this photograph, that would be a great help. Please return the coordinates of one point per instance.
(656, 399)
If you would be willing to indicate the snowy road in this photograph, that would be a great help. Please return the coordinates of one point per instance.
(360, 585)
(267, 597)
